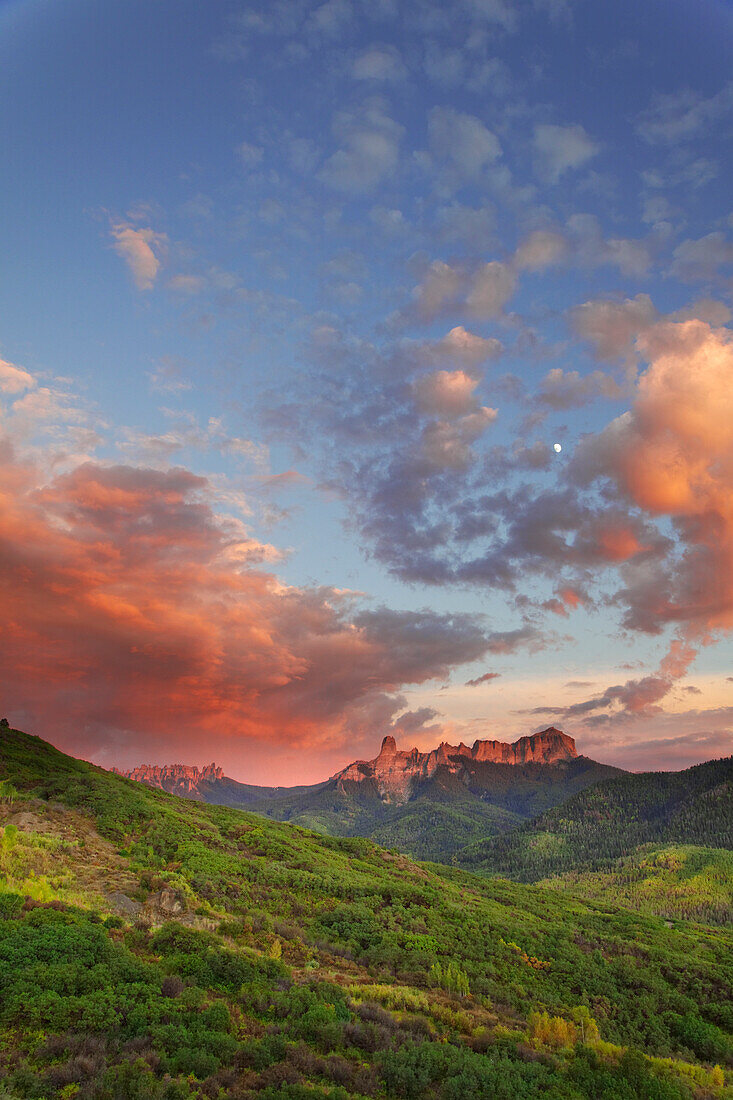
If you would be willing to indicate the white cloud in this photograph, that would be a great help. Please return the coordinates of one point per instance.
(703, 258)
(474, 226)
(249, 155)
(440, 288)
(446, 444)
(461, 142)
(704, 309)
(370, 149)
(382, 63)
(682, 116)
(187, 434)
(657, 209)
(493, 286)
(592, 249)
(447, 393)
(389, 221)
(613, 326)
(559, 11)
(480, 292)
(541, 249)
(446, 67)
(629, 256)
(568, 389)
(186, 284)
(496, 11)
(561, 148)
(331, 17)
(466, 347)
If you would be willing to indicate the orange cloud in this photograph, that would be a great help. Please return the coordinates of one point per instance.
(137, 249)
(446, 393)
(672, 456)
(132, 629)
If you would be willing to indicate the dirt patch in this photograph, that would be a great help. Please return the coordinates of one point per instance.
(93, 865)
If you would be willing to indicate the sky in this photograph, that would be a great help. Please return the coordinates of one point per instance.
(366, 369)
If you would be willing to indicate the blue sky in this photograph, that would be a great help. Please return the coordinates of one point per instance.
(358, 267)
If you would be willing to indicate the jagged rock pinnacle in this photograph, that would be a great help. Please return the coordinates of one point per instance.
(394, 770)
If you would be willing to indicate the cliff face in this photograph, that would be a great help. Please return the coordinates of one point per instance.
(175, 778)
(395, 770)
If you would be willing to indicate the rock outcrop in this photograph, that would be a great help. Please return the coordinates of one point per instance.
(179, 779)
(394, 771)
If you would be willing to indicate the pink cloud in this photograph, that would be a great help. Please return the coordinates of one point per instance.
(137, 247)
(14, 379)
(671, 455)
(446, 393)
(135, 625)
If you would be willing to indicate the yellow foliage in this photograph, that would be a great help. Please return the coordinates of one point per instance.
(393, 996)
(698, 1075)
(530, 960)
(557, 1032)
(461, 1021)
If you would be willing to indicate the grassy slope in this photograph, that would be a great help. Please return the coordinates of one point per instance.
(676, 881)
(603, 823)
(270, 913)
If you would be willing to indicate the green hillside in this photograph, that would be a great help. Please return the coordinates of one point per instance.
(605, 822)
(153, 947)
(678, 881)
(439, 820)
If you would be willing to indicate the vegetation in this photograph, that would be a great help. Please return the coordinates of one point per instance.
(190, 950)
(606, 822)
(681, 882)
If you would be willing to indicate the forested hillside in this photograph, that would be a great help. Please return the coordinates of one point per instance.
(153, 947)
(678, 881)
(602, 823)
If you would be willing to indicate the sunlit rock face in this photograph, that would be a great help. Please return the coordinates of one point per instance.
(175, 778)
(395, 771)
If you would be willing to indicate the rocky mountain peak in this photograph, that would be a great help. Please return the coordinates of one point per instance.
(395, 770)
(182, 779)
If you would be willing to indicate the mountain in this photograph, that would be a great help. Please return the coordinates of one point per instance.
(428, 804)
(160, 948)
(606, 822)
(396, 772)
(175, 778)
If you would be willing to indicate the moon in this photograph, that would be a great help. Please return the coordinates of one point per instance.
(557, 447)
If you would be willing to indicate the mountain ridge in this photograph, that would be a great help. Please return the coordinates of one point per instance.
(395, 770)
(605, 822)
(546, 747)
(428, 805)
(180, 779)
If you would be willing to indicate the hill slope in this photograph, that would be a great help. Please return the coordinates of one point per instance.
(162, 949)
(605, 822)
(679, 881)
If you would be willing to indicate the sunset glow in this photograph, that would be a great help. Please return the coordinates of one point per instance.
(365, 369)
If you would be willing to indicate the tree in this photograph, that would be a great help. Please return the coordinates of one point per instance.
(8, 793)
